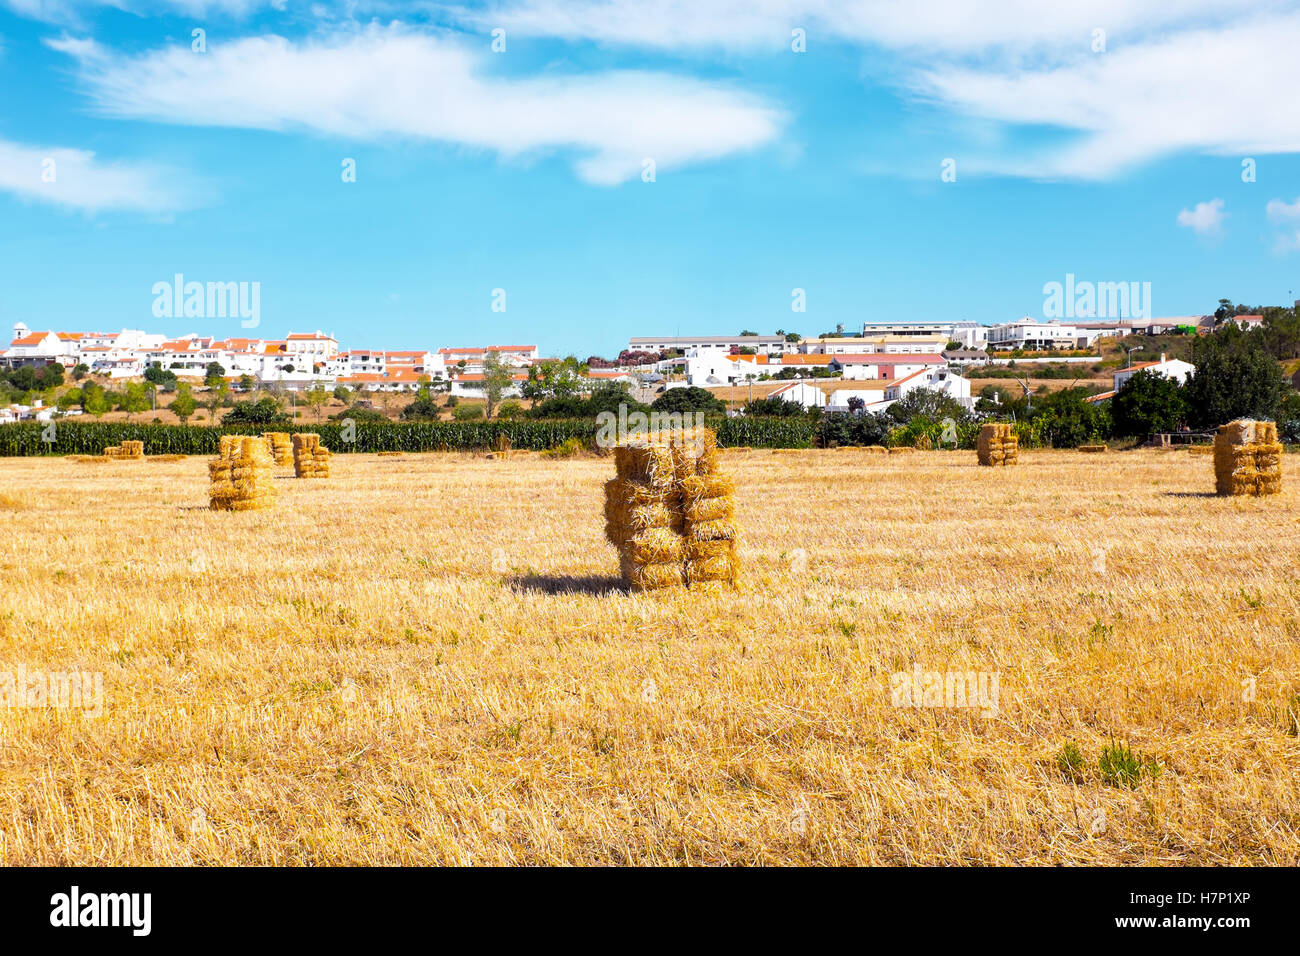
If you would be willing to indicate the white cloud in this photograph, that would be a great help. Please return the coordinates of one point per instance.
(1205, 218)
(78, 179)
(77, 11)
(944, 25)
(1176, 75)
(1188, 91)
(1279, 210)
(384, 82)
(1287, 216)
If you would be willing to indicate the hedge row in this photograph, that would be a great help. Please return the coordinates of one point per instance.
(91, 438)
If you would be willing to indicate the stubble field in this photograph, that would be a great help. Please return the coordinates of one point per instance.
(427, 659)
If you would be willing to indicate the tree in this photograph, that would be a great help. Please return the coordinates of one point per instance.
(184, 404)
(465, 413)
(134, 400)
(496, 379)
(744, 332)
(1235, 377)
(263, 412)
(51, 376)
(217, 395)
(423, 409)
(342, 394)
(317, 398)
(163, 378)
(691, 399)
(1066, 420)
(80, 371)
(1149, 402)
(247, 383)
(932, 404)
(213, 374)
(95, 403)
(554, 377)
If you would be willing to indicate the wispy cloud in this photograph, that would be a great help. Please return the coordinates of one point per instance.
(77, 179)
(1287, 217)
(956, 26)
(1140, 102)
(1162, 76)
(76, 12)
(1205, 218)
(384, 82)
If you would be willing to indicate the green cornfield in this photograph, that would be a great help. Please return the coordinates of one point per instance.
(91, 438)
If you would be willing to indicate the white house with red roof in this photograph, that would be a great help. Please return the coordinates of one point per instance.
(883, 365)
(1176, 369)
(801, 393)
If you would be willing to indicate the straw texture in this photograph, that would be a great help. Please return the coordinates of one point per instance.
(997, 445)
(311, 459)
(1247, 458)
(242, 477)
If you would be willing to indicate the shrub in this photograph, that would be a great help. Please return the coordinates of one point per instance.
(467, 413)
(263, 412)
(692, 399)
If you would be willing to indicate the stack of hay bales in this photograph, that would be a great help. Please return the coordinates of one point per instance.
(242, 478)
(708, 503)
(671, 512)
(311, 459)
(997, 444)
(1247, 458)
(1092, 449)
(281, 447)
(129, 450)
(643, 517)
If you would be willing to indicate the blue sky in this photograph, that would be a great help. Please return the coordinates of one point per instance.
(1115, 158)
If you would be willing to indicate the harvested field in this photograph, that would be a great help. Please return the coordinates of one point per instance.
(431, 659)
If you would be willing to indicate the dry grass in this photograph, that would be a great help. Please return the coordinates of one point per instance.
(429, 659)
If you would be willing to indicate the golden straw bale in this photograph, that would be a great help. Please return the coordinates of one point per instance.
(1247, 458)
(310, 458)
(1092, 449)
(281, 447)
(241, 479)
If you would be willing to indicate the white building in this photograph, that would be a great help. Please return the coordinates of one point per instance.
(801, 393)
(684, 343)
(942, 380)
(1034, 336)
(874, 365)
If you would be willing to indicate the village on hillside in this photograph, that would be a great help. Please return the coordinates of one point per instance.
(866, 370)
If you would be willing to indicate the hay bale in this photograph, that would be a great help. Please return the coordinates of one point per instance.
(132, 450)
(1092, 449)
(311, 459)
(113, 451)
(709, 526)
(643, 516)
(242, 477)
(670, 512)
(901, 450)
(997, 445)
(1247, 458)
(281, 447)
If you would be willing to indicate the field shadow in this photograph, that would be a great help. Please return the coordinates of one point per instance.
(567, 583)
(1190, 494)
